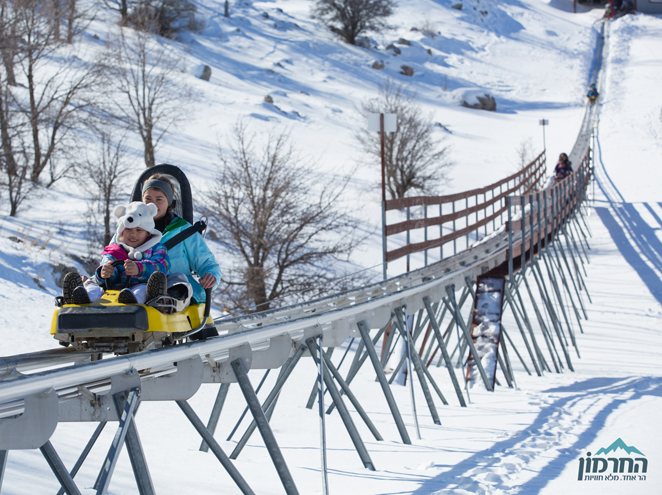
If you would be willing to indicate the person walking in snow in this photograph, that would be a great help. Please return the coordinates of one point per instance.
(143, 262)
(563, 167)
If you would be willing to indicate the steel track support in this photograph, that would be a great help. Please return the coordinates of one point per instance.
(63, 476)
(403, 359)
(358, 361)
(136, 456)
(342, 410)
(521, 359)
(461, 343)
(416, 362)
(314, 392)
(444, 352)
(328, 365)
(388, 345)
(276, 455)
(517, 304)
(520, 305)
(3, 465)
(320, 412)
(86, 451)
(126, 419)
(210, 442)
(543, 327)
(455, 312)
(556, 263)
(576, 247)
(520, 323)
(504, 369)
(432, 382)
(581, 235)
(506, 358)
(245, 411)
(381, 377)
(439, 310)
(270, 402)
(215, 413)
(548, 301)
(448, 333)
(542, 290)
(575, 270)
(559, 297)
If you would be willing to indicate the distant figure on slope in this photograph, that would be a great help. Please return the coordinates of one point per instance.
(592, 93)
(142, 275)
(563, 167)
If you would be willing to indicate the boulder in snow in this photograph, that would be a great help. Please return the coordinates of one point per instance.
(406, 70)
(203, 72)
(478, 99)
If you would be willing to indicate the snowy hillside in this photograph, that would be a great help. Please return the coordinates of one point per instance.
(531, 56)
(534, 56)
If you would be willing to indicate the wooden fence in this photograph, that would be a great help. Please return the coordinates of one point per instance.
(537, 216)
(441, 226)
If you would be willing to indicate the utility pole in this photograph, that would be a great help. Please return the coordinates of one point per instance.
(383, 123)
(543, 123)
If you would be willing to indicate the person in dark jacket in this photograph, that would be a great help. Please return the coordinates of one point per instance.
(563, 167)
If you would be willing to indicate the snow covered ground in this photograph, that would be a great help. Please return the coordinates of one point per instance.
(535, 57)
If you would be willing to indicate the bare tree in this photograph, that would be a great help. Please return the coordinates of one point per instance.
(13, 165)
(60, 12)
(351, 18)
(54, 96)
(287, 229)
(162, 17)
(56, 14)
(525, 153)
(150, 101)
(415, 159)
(41, 101)
(72, 17)
(104, 178)
(8, 40)
(122, 7)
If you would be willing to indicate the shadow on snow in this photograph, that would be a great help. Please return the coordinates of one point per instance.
(459, 476)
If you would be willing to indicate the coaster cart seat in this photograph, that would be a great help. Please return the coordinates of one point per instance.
(109, 326)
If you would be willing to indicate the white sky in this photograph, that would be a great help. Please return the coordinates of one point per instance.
(534, 57)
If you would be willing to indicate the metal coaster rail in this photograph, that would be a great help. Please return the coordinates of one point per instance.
(263, 341)
(535, 231)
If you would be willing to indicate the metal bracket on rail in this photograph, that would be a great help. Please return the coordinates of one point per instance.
(276, 352)
(180, 385)
(91, 406)
(32, 428)
(219, 369)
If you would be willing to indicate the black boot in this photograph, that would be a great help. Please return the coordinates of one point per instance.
(157, 285)
(126, 297)
(70, 281)
(80, 295)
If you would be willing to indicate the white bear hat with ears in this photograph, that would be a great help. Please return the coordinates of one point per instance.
(137, 215)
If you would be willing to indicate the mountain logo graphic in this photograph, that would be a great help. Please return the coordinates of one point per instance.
(619, 444)
(618, 462)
